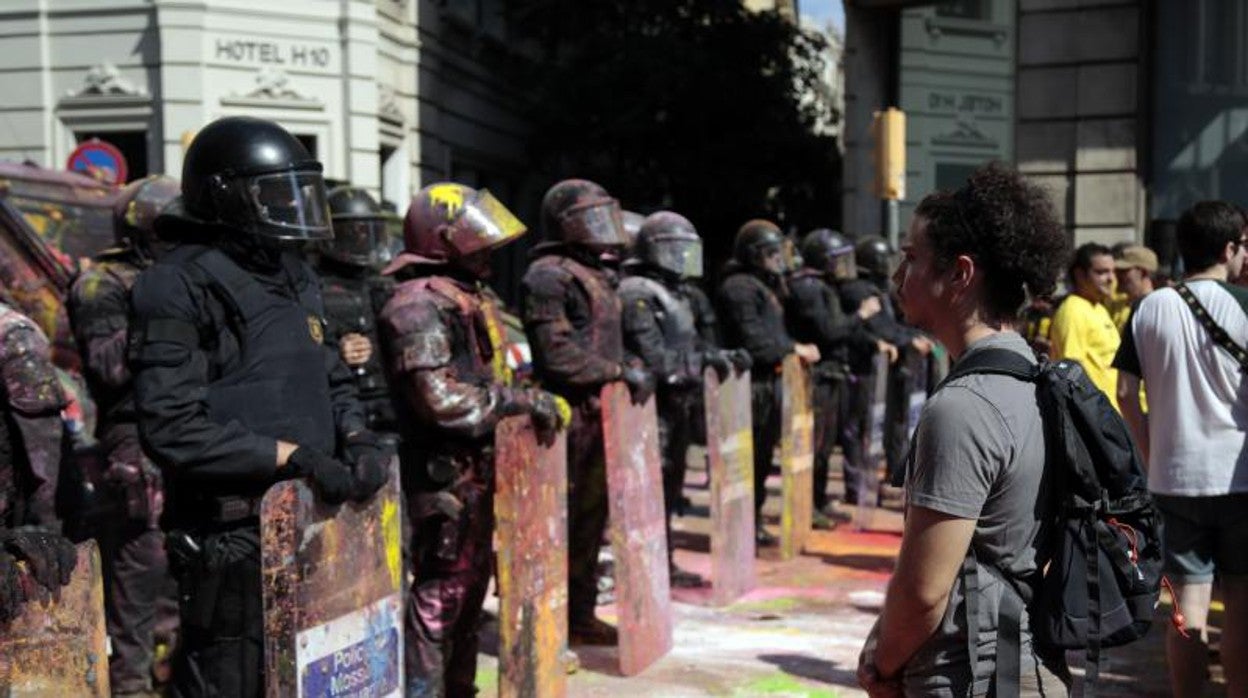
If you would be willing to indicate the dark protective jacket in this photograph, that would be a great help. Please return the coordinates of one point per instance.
(353, 296)
(703, 313)
(883, 325)
(660, 327)
(444, 340)
(572, 318)
(99, 310)
(226, 362)
(31, 430)
(752, 317)
(815, 316)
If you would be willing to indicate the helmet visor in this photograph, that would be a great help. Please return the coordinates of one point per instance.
(483, 223)
(292, 205)
(681, 257)
(599, 224)
(361, 241)
(841, 264)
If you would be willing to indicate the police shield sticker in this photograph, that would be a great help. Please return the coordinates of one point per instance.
(333, 610)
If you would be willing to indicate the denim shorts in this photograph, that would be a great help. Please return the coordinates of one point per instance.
(1204, 534)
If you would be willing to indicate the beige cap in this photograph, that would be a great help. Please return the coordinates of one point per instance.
(1137, 256)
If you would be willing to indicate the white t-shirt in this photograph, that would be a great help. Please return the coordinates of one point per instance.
(1197, 394)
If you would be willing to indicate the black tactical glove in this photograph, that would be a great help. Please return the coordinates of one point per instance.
(12, 595)
(332, 480)
(741, 359)
(49, 555)
(370, 463)
(130, 482)
(719, 360)
(640, 382)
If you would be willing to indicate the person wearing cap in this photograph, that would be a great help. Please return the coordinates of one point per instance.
(1134, 267)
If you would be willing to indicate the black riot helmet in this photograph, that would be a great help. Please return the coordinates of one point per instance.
(361, 229)
(580, 212)
(134, 214)
(253, 175)
(668, 241)
(873, 257)
(829, 252)
(755, 242)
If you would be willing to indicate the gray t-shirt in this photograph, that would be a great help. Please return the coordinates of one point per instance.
(979, 454)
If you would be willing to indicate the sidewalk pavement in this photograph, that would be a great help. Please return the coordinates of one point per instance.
(799, 632)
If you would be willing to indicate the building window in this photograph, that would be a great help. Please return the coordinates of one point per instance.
(132, 144)
(1219, 46)
(965, 9)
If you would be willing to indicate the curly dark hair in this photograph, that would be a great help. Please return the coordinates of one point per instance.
(1009, 226)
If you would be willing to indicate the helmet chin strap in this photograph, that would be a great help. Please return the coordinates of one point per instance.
(253, 252)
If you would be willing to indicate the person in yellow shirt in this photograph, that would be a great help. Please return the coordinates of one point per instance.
(1082, 327)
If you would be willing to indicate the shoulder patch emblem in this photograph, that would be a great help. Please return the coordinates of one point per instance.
(316, 329)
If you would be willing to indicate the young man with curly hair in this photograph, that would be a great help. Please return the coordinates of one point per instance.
(975, 479)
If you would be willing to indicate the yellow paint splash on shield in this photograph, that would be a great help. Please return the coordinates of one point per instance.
(390, 535)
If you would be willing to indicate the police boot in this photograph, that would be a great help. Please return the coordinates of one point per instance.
(592, 631)
(764, 539)
(684, 579)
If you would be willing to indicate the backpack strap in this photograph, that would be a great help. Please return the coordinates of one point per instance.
(1216, 333)
(1008, 672)
(993, 361)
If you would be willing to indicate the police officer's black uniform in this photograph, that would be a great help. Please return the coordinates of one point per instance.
(751, 312)
(815, 315)
(354, 292)
(229, 365)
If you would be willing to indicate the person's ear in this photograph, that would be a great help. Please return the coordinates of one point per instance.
(1228, 252)
(962, 272)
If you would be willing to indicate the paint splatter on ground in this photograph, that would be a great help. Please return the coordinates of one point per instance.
(798, 634)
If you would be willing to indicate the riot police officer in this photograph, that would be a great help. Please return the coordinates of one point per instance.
(751, 309)
(234, 388)
(572, 317)
(31, 430)
(31, 433)
(815, 316)
(660, 327)
(444, 340)
(131, 545)
(354, 292)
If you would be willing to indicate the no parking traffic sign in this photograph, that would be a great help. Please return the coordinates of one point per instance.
(100, 160)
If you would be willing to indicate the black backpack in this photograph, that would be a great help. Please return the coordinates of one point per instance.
(1103, 575)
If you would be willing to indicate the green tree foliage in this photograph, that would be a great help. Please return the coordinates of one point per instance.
(691, 105)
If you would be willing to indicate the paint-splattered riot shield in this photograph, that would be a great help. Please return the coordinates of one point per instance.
(530, 507)
(797, 457)
(637, 532)
(58, 645)
(333, 610)
(730, 450)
